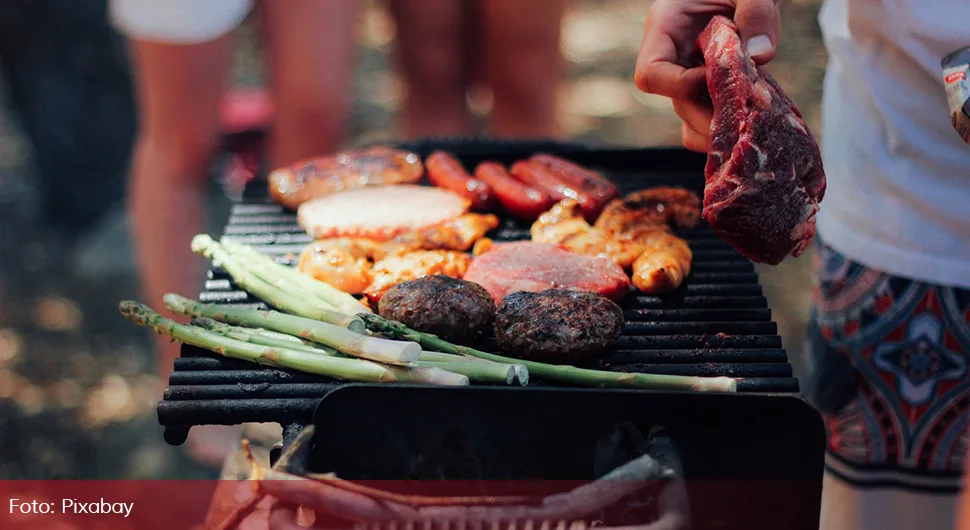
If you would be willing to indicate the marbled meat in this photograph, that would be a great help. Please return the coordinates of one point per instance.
(525, 266)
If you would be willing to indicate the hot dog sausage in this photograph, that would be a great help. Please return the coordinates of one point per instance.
(520, 200)
(445, 171)
(590, 182)
(536, 175)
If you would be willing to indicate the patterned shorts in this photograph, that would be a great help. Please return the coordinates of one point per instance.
(886, 363)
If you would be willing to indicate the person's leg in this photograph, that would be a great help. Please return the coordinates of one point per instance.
(430, 55)
(179, 88)
(310, 49)
(522, 64)
(886, 365)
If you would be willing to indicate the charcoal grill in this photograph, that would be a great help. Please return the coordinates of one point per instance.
(717, 324)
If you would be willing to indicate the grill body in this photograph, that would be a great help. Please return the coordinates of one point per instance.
(756, 454)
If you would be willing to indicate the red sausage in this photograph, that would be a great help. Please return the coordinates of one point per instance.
(534, 174)
(522, 201)
(445, 171)
(590, 182)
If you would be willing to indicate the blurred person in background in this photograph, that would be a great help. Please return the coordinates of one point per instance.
(889, 341)
(182, 53)
(68, 81)
(447, 47)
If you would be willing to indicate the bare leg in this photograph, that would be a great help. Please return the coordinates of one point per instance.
(522, 64)
(179, 88)
(310, 47)
(431, 59)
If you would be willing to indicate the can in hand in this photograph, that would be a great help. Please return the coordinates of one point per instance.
(956, 67)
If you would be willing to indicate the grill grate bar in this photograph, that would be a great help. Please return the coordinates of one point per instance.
(658, 342)
(721, 355)
(698, 315)
(674, 327)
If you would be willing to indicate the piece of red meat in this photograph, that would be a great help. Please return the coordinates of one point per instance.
(764, 175)
(534, 267)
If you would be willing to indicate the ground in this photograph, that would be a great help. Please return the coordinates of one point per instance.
(77, 393)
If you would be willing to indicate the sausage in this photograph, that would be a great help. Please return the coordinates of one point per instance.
(518, 199)
(445, 171)
(536, 175)
(597, 186)
(317, 177)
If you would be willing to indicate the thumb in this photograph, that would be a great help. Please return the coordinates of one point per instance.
(759, 23)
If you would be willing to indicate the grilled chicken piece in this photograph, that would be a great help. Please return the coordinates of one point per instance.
(651, 207)
(341, 262)
(664, 263)
(317, 177)
(633, 239)
(564, 225)
(459, 233)
(393, 270)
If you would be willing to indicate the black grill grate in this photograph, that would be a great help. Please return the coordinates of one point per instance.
(717, 324)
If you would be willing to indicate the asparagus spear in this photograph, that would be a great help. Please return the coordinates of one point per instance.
(565, 374)
(285, 301)
(477, 370)
(342, 339)
(344, 302)
(340, 368)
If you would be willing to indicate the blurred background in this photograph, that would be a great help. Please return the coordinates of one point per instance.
(77, 381)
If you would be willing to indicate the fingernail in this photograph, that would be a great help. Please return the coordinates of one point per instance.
(759, 45)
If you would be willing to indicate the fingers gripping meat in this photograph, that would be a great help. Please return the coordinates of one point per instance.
(318, 177)
(445, 171)
(664, 263)
(518, 199)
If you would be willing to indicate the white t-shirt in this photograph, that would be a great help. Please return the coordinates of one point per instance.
(898, 197)
(178, 21)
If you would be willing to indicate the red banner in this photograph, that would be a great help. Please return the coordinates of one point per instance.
(147, 505)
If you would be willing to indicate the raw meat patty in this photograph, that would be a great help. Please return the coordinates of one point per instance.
(533, 267)
(380, 212)
(764, 170)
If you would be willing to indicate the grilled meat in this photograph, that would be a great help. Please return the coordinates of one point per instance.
(455, 310)
(341, 262)
(346, 262)
(557, 326)
(632, 232)
(317, 177)
(446, 171)
(381, 212)
(525, 266)
(393, 270)
(459, 233)
(650, 207)
(564, 225)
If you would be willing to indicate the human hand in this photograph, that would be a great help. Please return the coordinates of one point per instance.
(670, 63)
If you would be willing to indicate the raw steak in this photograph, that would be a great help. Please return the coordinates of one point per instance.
(764, 170)
(524, 266)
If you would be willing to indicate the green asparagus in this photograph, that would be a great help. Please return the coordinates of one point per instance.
(477, 370)
(282, 300)
(267, 266)
(341, 339)
(564, 374)
(336, 367)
